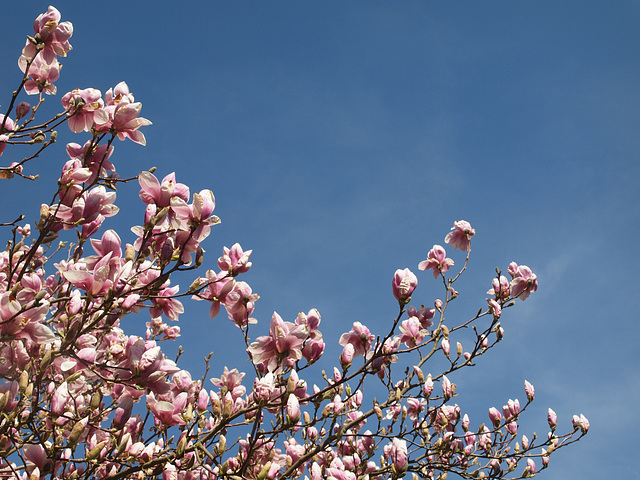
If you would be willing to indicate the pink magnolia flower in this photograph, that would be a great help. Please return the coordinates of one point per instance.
(398, 454)
(580, 422)
(86, 109)
(282, 348)
(494, 308)
(123, 115)
(500, 288)
(552, 418)
(415, 407)
(52, 33)
(404, 283)
(198, 215)
(293, 409)
(109, 243)
(217, 287)
(234, 260)
(447, 387)
(22, 110)
(95, 158)
(437, 261)
(511, 409)
(347, 355)
(360, 337)
(460, 235)
(232, 381)
(240, 303)
(264, 389)
(424, 315)
(165, 303)
(168, 412)
(6, 125)
(160, 193)
(529, 390)
(531, 466)
(71, 180)
(42, 76)
(524, 281)
(412, 332)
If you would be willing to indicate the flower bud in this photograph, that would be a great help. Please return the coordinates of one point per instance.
(552, 418)
(529, 390)
(446, 346)
(403, 285)
(495, 416)
(38, 137)
(22, 110)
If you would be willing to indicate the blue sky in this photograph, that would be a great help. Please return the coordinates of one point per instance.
(342, 139)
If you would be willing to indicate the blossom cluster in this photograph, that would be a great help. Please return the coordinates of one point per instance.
(81, 397)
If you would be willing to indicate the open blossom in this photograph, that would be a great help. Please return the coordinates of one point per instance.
(424, 315)
(235, 260)
(500, 288)
(460, 235)
(42, 76)
(160, 193)
(360, 337)
(52, 33)
(404, 283)
(524, 281)
(6, 125)
(282, 348)
(86, 109)
(412, 332)
(95, 158)
(437, 261)
(123, 112)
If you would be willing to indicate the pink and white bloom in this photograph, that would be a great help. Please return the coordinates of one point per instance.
(524, 281)
(460, 236)
(282, 348)
(161, 193)
(235, 260)
(123, 112)
(412, 332)
(42, 76)
(437, 261)
(86, 109)
(52, 33)
(360, 337)
(424, 315)
(404, 283)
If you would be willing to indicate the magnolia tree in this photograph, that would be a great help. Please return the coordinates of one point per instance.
(82, 398)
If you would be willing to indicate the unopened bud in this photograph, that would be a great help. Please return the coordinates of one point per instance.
(22, 110)
(265, 471)
(95, 451)
(199, 256)
(130, 253)
(23, 382)
(228, 408)
(74, 436)
(38, 137)
(96, 398)
(221, 447)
